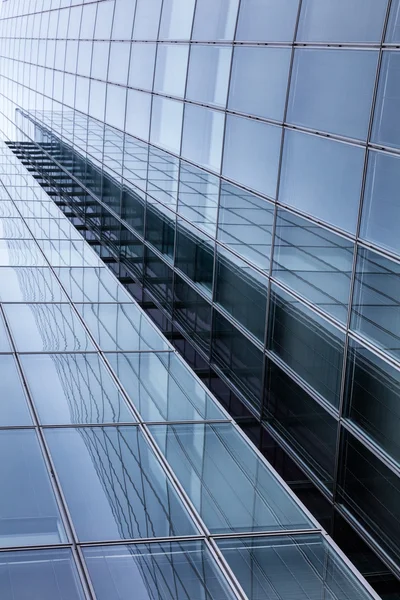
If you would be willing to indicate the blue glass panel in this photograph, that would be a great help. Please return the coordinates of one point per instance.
(21, 253)
(46, 328)
(171, 69)
(120, 490)
(48, 574)
(314, 262)
(215, 20)
(91, 285)
(163, 388)
(210, 462)
(322, 178)
(393, 28)
(29, 285)
(166, 570)
(381, 208)
(386, 126)
(121, 327)
(198, 197)
(267, 20)
(301, 567)
(176, 19)
(203, 132)
(73, 388)
(13, 407)
(208, 74)
(63, 253)
(28, 510)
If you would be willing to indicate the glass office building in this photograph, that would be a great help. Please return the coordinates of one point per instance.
(235, 164)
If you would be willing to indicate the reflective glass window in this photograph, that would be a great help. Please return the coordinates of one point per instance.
(210, 461)
(373, 397)
(198, 197)
(203, 133)
(158, 276)
(97, 103)
(115, 105)
(21, 284)
(46, 328)
(241, 291)
(192, 312)
(28, 511)
(267, 20)
(166, 123)
(119, 61)
(259, 81)
(84, 58)
(303, 423)
(64, 253)
(147, 19)
(132, 208)
(386, 126)
(178, 570)
(124, 14)
(314, 262)
(162, 176)
(393, 28)
(376, 301)
(238, 358)
(21, 253)
(171, 68)
(322, 177)
(73, 388)
(208, 75)
(245, 224)
(121, 327)
(195, 255)
(307, 344)
(51, 574)
(163, 388)
(141, 68)
(120, 490)
(160, 230)
(91, 285)
(251, 153)
(13, 408)
(13, 229)
(331, 90)
(176, 19)
(52, 229)
(302, 567)
(371, 491)
(138, 114)
(341, 21)
(381, 209)
(215, 20)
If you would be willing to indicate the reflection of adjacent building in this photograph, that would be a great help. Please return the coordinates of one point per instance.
(197, 255)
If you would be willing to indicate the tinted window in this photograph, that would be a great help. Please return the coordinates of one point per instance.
(13, 408)
(208, 75)
(198, 197)
(215, 20)
(267, 20)
(203, 133)
(386, 126)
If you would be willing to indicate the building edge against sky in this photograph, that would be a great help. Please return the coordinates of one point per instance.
(270, 244)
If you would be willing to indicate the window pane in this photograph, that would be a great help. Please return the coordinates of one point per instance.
(307, 344)
(28, 512)
(373, 397)
(393, 28)
(166, 123)
(381, 209)
(73, 388)
(123, 19)
(242, 292)
(195, 255)
(160, 229)
(210, 461)
(215, 20)
(120, 490)
(267, 20)
(63, 253)
(245, 224)
(314, 262)
(259, 81)
(371, 492)
(138, 109)
(13, 408)
(171, 69)
(121, 327)
(386, 126)
(208, 75)
(341, 20)
(251, 153)
(51, 574)
(192, 313)
(141, 68)
(160, 570)
(46, 328)
(297, 567)
(322, 177)
(163, 388)
(162, 176)
(29, 285)
(300, 420)
(91, 285)
(119, 61)
(21, 253)
(198, 197)
(376, 301)
(176, 19)
(147, 19)
(332, 90)
(203, 133)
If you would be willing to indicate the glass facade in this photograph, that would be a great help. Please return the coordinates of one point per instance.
(233, 163)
